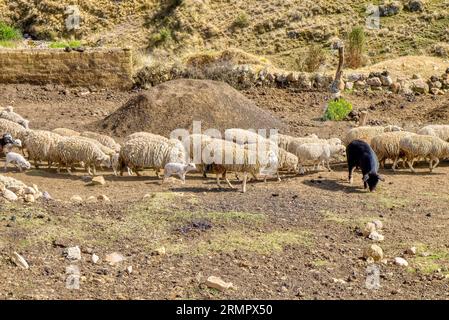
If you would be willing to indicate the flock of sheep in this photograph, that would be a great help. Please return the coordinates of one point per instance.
(246, 153)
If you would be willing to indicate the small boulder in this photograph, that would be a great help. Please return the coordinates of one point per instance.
(411, 251)
(95, 258)
(91, 199)
(379, 225)
(73, 253)
(374, 82)
(415, 5)
(103, 198)
(386, 81)
(98, 181)
(47, 196)
(374, 252)
(29, 190)
(376, 236)
(420, 86)
(400, 262)
(29, 198)
(114, 258)
(9, 195)
(369, 228)
(218, 283)
(76, 199)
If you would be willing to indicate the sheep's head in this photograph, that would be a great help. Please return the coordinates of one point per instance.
(372, 179)
(392, 128)
(190, 167)
(26, 165)
(104, 161)
(24, 123)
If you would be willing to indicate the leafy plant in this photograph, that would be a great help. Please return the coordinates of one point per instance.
(9, 33)
(63, 44)
(356, 47)
(337, 110)
(164, 35)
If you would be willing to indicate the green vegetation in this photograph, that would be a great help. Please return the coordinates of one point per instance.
(162, 37)
(356, 48)
(8, 33)
(242, 20)
(315, 58)
(7, 44)
(64, 44)
(337, 110)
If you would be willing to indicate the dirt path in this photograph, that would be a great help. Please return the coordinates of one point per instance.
(298, 239)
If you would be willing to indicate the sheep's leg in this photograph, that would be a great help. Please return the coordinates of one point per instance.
(18, 167)
(395, 163)
(218, 180)
(328, 166)
(410, 164)
(68, 169)
(36, 164)
(225, 176)
(95, 169)
(183, 177)
(245, 177)
(254, 176)
(157, 172)
(49, 164)
(437, 161)
(6, 166)
(351, 172)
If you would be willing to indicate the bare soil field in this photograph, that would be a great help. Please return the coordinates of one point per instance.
(295, 239)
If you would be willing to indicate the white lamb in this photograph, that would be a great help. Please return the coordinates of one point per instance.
(179, 169)
(318, 153)
(16, 159)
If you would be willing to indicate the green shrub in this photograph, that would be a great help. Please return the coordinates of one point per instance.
(163, 36)
(63, 44)
(316, 56)
(356, 48)
(8, 32)
(242, 20)
(337, 110)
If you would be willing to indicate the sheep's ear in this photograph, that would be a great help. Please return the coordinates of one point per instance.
(365, 178)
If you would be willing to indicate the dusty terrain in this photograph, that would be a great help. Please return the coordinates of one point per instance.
(298, 239)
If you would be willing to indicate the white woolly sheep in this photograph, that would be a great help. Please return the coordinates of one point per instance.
(18, 160)
(366, 133)
(73, 150)
(15, 129)
(41, 146)
(66, 132)
(284, 140)
(386, 146)
(103, 139)
(10, 115)
(318, 153)
(180, 169)
(143, 153)
(146, 135)
(423, 146)
(439, 130)
(242, 137)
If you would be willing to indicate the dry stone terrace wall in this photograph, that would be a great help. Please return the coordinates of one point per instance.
(105, 68)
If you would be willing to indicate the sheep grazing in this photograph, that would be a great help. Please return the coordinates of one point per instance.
(422, 146)
(360, 155)
(366, 133)
(386, 146)
(10, 115)
(41, 146)
(284, 141)
(16, 159)
(142, 153)
(146, 135)
(103, 139)
(179, 169)
(439, 130)
(73, 150)
(15, 129)
(318, 153)
(66, 132)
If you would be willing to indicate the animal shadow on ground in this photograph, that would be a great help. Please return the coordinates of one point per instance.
(335, 185)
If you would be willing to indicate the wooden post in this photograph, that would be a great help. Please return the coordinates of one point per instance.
(336, 84)
(363, 118)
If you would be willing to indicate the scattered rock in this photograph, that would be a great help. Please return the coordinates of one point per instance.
(369, 228)
(114, 258)
(376, 236)
(95, 258)
(29, 198)
(411, 250)
(73, 253)
(400, 262)
(374, 82)
(414, 5)
(29, 190)
(129, 269)
(420, 86)
(379, 225)
(91, 199)
(339, 281)
(46, 196)
(98, 181)
(160, 251)
(76, 198)
(20, 261)
(390, 9)
(9, 195)
(374, 252)
(218, 283)
(103, 198)
(386, 81)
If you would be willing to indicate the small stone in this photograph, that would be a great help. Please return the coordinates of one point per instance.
(411, 250)
(375, 252)
(379, 225)
(420, 86)
(46, 196)
(369, 228)
(218, 283)
(400, 262)
(160, 251)
(339, 281)
(29, 190)
(95, 258)
(386, 81)
(349, 85)
(129, 269)
(98, 181)
(103, 198)
(9, 195)
(374, 82)
(114, 258)
(76, 198)
(73, 253)
(29, 198)
(376, 236)
(91, 199)
(20, 261)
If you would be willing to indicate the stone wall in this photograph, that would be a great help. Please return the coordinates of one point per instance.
(105, 68)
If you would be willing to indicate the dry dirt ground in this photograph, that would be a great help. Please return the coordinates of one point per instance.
(298, 239)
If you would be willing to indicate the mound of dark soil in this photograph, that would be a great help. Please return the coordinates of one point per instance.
(176, 104)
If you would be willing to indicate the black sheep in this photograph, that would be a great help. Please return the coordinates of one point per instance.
(360, 155)
(6, 139)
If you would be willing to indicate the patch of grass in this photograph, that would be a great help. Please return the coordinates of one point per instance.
(334, 217)
(162, 37)
(314, 59)
(320, 263)
(242, 20)
(64, 44)
(437, 259)
(247, 241)
(356, 47)
(391, 202)
(7, 44)
(9, 33)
